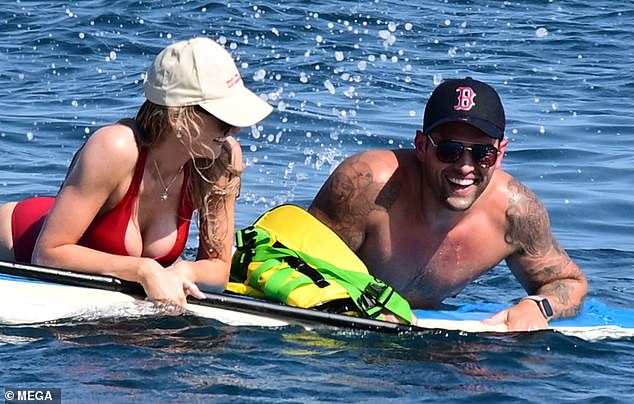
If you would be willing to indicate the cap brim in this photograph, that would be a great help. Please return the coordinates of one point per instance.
(242, 108)
(488, 128)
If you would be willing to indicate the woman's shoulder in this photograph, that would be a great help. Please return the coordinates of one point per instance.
(115, 142)
(110, 152)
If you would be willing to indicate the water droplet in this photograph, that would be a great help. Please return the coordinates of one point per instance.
(259, 75)
(541, 32)
(331, 88)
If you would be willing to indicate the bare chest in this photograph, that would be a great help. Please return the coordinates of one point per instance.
(427, 266)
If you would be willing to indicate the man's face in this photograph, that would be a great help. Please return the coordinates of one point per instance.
(459, 172)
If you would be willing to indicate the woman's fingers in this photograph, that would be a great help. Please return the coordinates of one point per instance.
(190, 288)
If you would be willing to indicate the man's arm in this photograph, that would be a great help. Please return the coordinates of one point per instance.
(540, 264)
(346, 199)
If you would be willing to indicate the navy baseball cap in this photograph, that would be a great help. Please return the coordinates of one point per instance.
(466, 100)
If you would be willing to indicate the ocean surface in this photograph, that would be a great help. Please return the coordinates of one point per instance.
(344, 76)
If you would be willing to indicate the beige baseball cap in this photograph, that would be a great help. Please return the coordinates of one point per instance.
(201, 72)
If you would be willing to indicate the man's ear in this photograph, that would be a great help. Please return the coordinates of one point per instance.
(502, 149)
(420, 143)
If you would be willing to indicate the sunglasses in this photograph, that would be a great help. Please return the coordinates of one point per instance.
(225, 127)
(450, 151)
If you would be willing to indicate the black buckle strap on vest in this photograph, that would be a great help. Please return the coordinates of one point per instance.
(245, 251)
(246, 238)
(245, 243)
(307, 270)
(372, 297)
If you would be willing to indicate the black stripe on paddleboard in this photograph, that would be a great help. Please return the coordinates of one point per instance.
(217, 300)
(297, 315)
(71, 278)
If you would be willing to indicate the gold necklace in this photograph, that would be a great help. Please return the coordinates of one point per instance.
(165, 195)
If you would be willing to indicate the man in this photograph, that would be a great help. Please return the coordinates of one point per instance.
(432, 219)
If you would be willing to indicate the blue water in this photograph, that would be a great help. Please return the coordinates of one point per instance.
(344, 76)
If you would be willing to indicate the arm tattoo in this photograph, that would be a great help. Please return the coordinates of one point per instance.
(528, 225)
(543, 261)
(350, 195)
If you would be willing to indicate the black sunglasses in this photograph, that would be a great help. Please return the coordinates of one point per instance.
(450, 151)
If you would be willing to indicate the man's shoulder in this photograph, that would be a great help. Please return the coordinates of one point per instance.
(522, 212)
(506, 186)
(380, 163)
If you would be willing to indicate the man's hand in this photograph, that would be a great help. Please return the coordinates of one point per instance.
(393, 318)
(524, 316)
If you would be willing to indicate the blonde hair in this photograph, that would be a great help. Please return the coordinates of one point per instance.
(212, 179)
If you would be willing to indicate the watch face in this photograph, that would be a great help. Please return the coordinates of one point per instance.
(548, 310)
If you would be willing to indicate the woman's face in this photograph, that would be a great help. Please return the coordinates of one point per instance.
(213, 134)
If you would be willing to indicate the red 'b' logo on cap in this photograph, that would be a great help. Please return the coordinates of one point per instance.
(465, 99)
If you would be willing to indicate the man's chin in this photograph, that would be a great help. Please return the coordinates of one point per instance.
(458, 204)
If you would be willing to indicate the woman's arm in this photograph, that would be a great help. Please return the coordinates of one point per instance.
(96, 182)
(217, 229)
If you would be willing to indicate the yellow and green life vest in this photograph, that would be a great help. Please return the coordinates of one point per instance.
(291, 257)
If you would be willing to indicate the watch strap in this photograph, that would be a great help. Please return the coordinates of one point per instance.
(543, 304)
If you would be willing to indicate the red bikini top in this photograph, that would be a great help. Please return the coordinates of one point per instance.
(107, 233)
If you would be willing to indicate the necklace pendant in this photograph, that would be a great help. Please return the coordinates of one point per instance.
(164, 196)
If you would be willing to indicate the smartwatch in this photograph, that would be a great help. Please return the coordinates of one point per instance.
(543, 304)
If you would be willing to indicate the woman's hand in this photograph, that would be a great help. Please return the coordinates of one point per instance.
(167, 286)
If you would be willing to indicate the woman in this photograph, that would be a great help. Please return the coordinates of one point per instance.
(125, 206)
